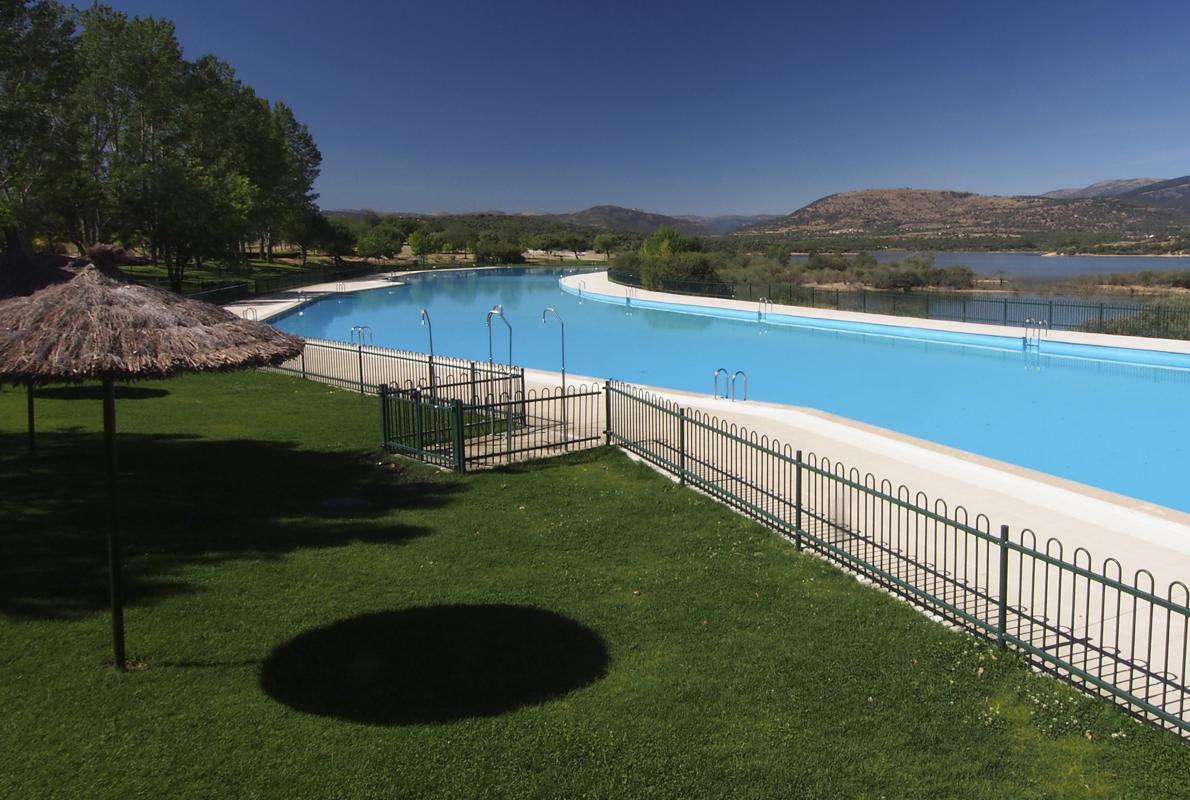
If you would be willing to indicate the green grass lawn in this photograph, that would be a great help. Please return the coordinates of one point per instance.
(317, 621)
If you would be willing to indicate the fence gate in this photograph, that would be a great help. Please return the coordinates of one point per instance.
(496, 430)
(417, 426)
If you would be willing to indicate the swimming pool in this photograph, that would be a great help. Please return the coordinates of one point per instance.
(1113, 418)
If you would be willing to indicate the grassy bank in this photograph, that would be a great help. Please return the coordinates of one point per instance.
(316, 621)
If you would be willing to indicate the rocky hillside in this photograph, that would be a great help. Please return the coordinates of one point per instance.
(1173, 193)
(1112, 188)
(924, 213)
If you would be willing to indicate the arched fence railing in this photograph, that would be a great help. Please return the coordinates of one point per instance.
(1111, 634)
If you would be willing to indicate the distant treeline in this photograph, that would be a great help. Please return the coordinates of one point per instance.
(668, 255)
(107, 134)
(488, 238)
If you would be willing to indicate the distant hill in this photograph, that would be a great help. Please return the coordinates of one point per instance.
(615, 218)
(1173, 193)
(925, 213)
(618, 218)
(726, 223)
(1112, 188)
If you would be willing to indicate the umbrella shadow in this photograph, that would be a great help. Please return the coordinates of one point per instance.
(434, 664)
(184, 501)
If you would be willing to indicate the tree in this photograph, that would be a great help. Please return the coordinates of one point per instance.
(339, 239)
(38, 68)
(605, 243)
(575, 242)
(382, 241)
(421, 242)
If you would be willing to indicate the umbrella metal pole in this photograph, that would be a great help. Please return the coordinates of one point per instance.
(32, 429)
(113, 531)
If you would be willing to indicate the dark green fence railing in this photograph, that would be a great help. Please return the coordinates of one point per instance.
(1164, 318)
(1107, 633)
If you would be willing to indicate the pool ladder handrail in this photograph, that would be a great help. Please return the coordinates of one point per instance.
(249, 313)
(764, 307)
(715, 383)
(360, 332)
(629, 293)
(1035, 331)
(582, 287)
(739, 373)
(340, 287)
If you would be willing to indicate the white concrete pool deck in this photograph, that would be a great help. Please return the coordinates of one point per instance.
(271, 305)
(1140, 535)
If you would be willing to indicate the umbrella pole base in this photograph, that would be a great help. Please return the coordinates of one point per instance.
(120, 661)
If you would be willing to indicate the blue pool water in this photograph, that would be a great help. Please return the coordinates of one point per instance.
(1116, 419)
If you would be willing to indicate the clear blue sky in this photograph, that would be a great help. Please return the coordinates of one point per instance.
(693, 107)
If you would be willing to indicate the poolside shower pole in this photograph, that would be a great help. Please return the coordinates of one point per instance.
(562, 325)
(562, 328)
(425, 320)
(498, 311)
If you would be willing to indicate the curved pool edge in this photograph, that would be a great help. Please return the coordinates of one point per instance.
(1165, 353)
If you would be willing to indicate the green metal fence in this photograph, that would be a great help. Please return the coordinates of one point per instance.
(493, 430)
(1110, 634)
(1160, 319)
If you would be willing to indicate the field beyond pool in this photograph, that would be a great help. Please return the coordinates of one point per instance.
(313, 619)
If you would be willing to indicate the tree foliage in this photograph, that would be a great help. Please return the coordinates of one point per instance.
(107, 134)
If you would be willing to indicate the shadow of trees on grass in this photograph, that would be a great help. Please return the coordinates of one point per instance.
(434, 664)
(183, 501)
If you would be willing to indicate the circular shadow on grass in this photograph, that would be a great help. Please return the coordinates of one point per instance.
(434, 664)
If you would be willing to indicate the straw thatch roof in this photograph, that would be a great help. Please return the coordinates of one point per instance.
(102, 324)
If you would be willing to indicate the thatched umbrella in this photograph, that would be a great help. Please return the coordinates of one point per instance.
(100, 324)
(22, 273)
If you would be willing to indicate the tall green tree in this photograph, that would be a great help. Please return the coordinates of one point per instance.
(38, 69)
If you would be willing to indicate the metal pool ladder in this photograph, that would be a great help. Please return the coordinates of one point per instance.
(361, 335)
(764, 307)
(738, 374)
(1035, 331)
(715, 380)
(728, 384)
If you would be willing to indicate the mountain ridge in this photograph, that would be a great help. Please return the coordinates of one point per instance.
(924, 213)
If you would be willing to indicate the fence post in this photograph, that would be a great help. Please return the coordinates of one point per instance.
(384, 415)
(361, 369)
(474, 395)
(417, 423)
(1002, 622)
(303, 359)
(865, 301)
(1050, 316)
(681, 445)
(1005, 301)
(1101, 314)
(797, 503)
(964, 309)
(928, 305)
(458, 442)
(607, 418)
